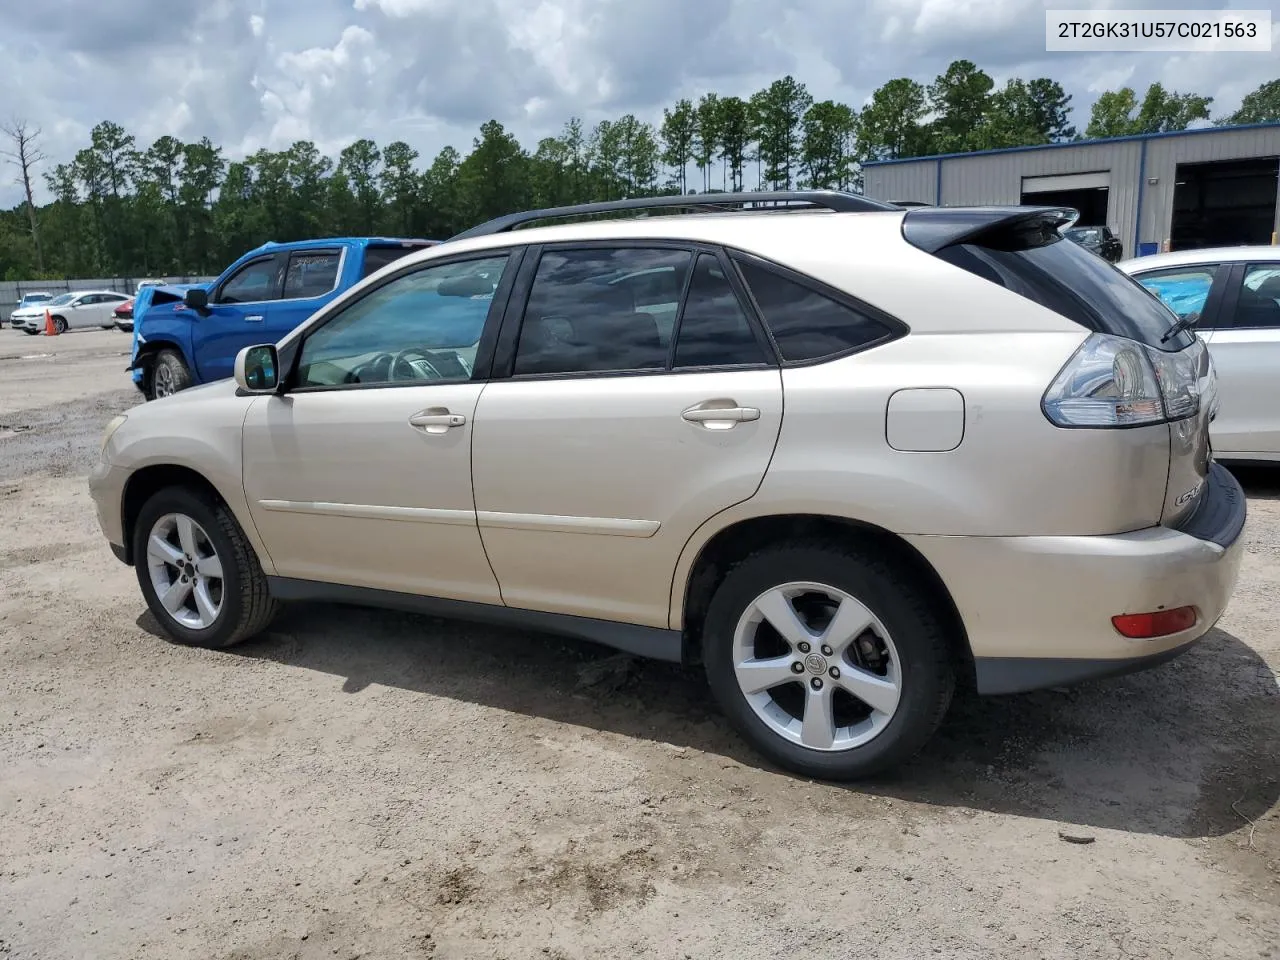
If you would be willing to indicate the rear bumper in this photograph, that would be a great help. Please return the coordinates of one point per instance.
(1038, 609)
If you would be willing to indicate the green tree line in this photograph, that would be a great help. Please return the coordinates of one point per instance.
(120, 208)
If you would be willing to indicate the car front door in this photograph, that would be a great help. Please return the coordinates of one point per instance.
(1246, 352)
(617, 434)
(82, 312)
(360, 473)
(236, 316)
(310, 279)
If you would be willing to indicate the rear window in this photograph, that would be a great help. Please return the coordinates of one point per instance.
(375, 258)
(1071, 281)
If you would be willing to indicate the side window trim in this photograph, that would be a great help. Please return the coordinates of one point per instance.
(1231, 296)
(508, 337)
(270, 257)
(681, 304)
(337, 276)
(897, 328)
(291, 352)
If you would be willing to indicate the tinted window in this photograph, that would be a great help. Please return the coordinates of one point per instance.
(713, 328)
(593, 310)
(805, 324)
(311, 274)
(252, 283)
(421, 327)
(1071, 281)
(1259, 301)
(375, 258)
(1184, 290)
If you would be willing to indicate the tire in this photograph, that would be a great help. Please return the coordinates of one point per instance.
(904, 630)
(60, 325)
(29, 332)
(169, 374)
(244, 606)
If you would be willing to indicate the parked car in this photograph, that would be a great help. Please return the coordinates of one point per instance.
(193, 338)
(1231, 297)
(122, 316)
(1099, 240)
(29, 299)
(78, 310)
(878, 452)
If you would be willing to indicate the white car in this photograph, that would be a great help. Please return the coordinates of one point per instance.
(1232, 297)
(71, 311)
(29, 299)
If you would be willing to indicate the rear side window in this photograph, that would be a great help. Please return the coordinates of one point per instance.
(805, 324)
(311, 274)
(375, 258)
(1079, 285)
(1184, 290)
(601, 309)
(714, 330)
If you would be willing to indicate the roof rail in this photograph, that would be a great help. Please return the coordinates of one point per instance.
(834, 200)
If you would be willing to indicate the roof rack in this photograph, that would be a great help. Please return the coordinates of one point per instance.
(833, 200)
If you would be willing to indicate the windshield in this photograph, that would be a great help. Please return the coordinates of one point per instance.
(62, 299)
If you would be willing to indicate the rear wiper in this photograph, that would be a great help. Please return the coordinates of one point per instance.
(1179, 325)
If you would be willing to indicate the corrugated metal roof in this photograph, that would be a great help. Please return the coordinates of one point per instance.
(1073, 143)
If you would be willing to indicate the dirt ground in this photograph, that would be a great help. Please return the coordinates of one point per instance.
(366, 784)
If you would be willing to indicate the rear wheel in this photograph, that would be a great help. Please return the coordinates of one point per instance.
(197, 570)
(829, 662)
(169, 374)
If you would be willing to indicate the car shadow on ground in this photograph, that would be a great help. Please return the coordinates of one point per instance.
(1189, 749)
(1260, 481)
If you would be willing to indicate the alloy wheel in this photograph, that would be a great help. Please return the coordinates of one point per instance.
(162, 381)
(185, 570)
(816, 666)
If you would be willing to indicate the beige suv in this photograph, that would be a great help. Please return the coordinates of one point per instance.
(841, 454)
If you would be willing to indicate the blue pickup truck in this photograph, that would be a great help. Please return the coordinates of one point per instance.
(187, 335)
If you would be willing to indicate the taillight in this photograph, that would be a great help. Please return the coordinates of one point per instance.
(1113, 382)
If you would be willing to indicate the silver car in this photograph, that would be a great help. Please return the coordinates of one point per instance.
(1231, 296)
(842, 455)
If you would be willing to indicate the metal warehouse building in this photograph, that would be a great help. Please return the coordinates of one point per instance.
(1161, 191)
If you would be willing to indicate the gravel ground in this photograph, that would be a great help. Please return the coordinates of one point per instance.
(367, 784)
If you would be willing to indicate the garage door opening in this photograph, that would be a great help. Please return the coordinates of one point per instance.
(1223, 204)
(1086, 192)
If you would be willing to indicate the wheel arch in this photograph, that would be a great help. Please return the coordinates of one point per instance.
(707, 560)
(147, 480)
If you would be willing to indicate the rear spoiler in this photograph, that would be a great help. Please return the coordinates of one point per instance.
(1011, 228)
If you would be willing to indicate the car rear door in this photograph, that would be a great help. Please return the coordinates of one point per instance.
(1245, 348)
(235, 316)
(620, 424)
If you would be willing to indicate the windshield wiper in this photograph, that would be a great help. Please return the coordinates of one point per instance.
(1179, 325)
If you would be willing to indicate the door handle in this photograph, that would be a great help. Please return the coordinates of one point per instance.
(256, 318)
(720, 417)
(436, 420)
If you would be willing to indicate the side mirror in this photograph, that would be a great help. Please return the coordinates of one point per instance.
(258, 369)
(196, 298)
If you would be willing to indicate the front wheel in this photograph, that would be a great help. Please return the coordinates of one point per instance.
(169, 374)
(197, 570)
(60, 325)
(830, 662)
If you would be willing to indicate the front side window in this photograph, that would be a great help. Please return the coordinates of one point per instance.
(311, 274)
(601, 310)
(422, 327)
(1259, 301)
(1185, 290)
(806, 325)
(252, 283)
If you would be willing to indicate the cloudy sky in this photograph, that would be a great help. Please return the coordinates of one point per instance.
(253, 73)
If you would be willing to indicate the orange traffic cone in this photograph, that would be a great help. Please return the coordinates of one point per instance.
(50, 329)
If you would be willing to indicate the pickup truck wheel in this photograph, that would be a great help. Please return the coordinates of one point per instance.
(830, 662)
(169, 374)
(198, 572)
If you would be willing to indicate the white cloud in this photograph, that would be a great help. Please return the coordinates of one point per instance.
(263, 73)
